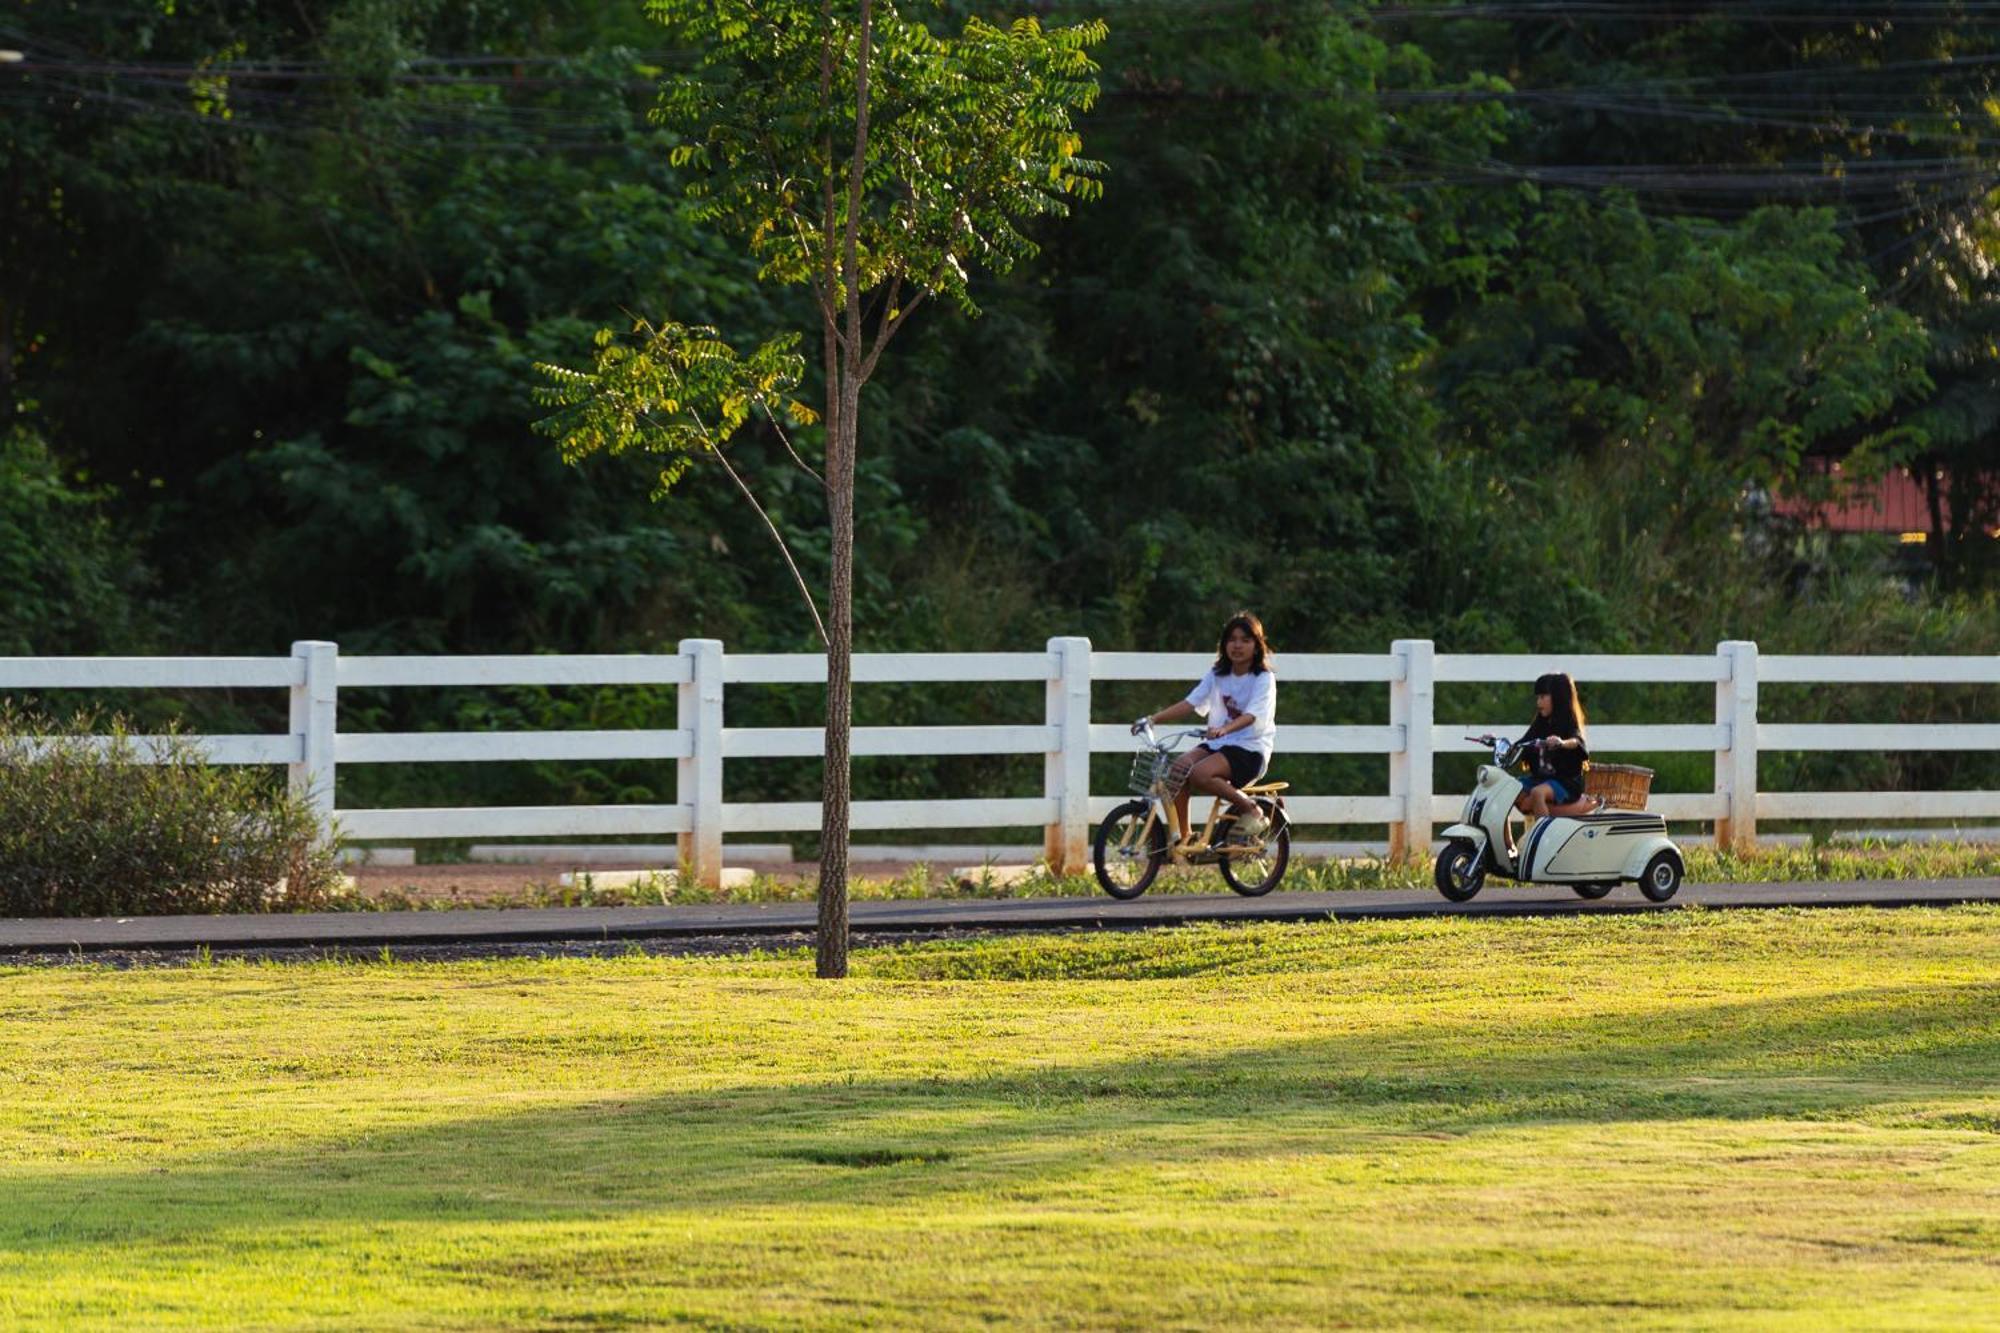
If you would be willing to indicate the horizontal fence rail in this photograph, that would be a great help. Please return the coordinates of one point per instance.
(1409, 738)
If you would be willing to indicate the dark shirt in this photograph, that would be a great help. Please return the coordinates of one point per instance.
(1566, 766)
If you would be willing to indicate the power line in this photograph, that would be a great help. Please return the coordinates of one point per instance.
(275, 96)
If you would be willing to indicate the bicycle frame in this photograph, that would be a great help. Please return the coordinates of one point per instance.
(1182, 846)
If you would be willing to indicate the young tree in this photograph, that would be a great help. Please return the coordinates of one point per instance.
(877, 163)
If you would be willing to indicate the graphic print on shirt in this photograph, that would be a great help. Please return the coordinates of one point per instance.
(1223, 699)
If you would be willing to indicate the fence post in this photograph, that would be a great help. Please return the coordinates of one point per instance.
(1410, 707)
(1066, 769)
(1736, 767)
(315, 712)
(698, 787)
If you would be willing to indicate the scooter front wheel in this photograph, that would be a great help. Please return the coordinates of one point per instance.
(1459, 875)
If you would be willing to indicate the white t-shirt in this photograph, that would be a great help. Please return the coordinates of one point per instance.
(1224, 698)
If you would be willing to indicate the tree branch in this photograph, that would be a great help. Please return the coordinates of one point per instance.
(776, 536)
(829, 280)
(822, 291)
(786, 440)
(888, 301)
(901, 318)
(783, 549)
(850, 261)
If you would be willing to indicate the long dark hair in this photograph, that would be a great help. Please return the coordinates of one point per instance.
(1565, 709)
(1260, 651)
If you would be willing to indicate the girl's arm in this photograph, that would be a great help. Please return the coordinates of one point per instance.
(1240, 721)
(1262, 701)
(1171, 713)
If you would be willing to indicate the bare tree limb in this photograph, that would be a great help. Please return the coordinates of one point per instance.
(786, 440)
(784, 549)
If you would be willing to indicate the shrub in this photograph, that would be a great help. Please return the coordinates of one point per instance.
(86, 829)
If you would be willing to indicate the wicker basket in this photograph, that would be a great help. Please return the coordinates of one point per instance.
(1625, 786)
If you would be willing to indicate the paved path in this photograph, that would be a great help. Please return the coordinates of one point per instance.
(372, 930)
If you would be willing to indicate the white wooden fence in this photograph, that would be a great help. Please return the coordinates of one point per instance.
(700, 741)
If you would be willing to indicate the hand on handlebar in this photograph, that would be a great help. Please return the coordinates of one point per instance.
(1142, 725)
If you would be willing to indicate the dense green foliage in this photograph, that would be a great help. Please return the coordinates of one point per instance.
(66, 577)
(86, 831)
(1436, 320)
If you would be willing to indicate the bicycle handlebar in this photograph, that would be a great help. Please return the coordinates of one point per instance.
(1154, 739)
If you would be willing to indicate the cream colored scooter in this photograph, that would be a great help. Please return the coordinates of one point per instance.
(1592, 854)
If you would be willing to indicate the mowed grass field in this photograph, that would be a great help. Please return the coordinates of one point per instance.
(1756, 1119)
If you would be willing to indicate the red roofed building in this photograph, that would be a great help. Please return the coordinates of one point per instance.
(1894, 503)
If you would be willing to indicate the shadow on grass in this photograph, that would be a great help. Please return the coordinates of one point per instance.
(882, 1142)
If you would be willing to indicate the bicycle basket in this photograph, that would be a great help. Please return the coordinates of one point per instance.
(1148, 767)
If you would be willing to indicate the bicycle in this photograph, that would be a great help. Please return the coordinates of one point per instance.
(1141, 836)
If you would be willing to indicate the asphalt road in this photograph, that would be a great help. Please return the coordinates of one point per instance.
(474, 927)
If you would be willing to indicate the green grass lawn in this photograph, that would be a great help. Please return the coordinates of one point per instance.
(1758, 1119)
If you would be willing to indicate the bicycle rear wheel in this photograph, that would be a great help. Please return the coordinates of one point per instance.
(1254, 875)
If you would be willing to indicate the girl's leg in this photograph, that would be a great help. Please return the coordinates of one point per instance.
(1202, 766)
(1582, 805)
(1212, 778)
(1183, 768)
(1534, 802)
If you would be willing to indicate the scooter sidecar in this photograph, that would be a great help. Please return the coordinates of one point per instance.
(1603, 850)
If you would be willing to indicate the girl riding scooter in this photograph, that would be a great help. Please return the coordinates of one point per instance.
(1555, 748)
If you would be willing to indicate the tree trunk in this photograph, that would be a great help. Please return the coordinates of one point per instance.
(830, 953)
(845, 432)
(1932, 501)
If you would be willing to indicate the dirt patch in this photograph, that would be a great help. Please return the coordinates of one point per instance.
(481, 882)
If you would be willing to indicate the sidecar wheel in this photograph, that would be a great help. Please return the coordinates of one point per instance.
(1662, 879)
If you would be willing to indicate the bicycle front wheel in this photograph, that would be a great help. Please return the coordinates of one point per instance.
(1127, 853)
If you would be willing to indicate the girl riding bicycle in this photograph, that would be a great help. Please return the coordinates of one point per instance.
(1239, 697)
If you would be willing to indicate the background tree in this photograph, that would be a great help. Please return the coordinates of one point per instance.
(876, 163)
(274, 279)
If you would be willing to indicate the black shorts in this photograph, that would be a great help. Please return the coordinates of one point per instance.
(1244, 764)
